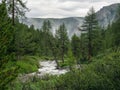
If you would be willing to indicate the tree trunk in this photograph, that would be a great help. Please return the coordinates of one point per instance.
(13, 12)
(56, 62)
(89, 44)
(62, 52)
(63, 55)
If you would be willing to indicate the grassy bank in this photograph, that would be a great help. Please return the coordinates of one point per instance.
(102, 74)
(28, 64)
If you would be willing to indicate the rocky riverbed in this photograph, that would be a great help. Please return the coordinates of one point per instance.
(46, 68)
(50, 67)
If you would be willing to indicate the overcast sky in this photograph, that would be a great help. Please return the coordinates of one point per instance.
(64, 8)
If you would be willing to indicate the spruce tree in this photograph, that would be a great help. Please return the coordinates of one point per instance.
(90, 24)
(63, 40)
(7, 71)
(116, 29)
(16, 8)
(46, 37)
(75, 44)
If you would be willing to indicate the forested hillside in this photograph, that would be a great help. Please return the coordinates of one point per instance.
(92, 59)
(105, 16)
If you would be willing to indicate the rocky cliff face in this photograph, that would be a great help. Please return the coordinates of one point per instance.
(105, 16)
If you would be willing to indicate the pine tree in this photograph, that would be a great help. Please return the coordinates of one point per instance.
(75, 44)
(83, 46)
(90, 24)
(16, 8)
(7, 73)
(97, 41)
(63, 40)
(54, 49)
(47, 34)
(25, 40)
(116, 29)
(71, 59)
(108, 39)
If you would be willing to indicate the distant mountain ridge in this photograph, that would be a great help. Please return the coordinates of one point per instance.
(71, 23)
(105, 16)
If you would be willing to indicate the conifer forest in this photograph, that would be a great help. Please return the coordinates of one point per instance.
(50, 53)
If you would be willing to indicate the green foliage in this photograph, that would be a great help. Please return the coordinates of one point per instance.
(97, 41)
(8, 70)
(24, 40)
(29, 41)
(28, 64)
(45, 83)
(71, 59)
(108, 38)
(75, 44)
(16, 8)
(62, 40)
(83, 47)
(103, 74)
(115, 27)
(46, 38)
(90, 25)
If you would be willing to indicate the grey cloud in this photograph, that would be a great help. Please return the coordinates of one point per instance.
(64, 8)
(89, 0)
(72, 0)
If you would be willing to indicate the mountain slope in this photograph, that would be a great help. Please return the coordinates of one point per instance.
(72, 23)
(105, 16)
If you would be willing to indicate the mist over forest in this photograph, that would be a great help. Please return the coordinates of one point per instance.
(65, 45)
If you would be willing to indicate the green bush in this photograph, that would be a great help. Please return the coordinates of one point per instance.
(28, 64)
(104, 74)
(101, 74)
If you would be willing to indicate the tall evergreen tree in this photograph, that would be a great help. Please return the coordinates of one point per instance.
(25, 40)
(108, 39)
(90, 24)
(116, 29)
(75, 44)
(46, 36)
(63, 40)
(7, 73)
(16, 8)
(83, 47)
